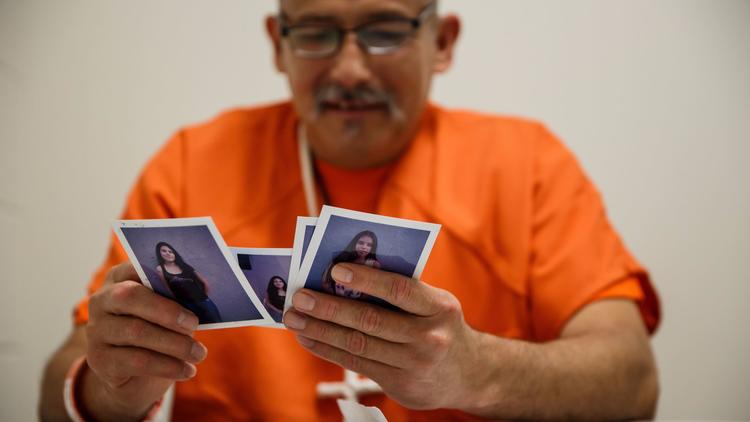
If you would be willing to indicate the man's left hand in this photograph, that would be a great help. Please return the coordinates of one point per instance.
(422, 357)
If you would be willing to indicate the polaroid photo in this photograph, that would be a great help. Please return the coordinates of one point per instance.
(186, 260)
(267, 271)
(391, 244)
(302, 236)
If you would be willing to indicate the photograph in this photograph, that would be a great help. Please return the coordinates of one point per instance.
(386, 243)
(267, 271)
(186, 260)
(303, 234)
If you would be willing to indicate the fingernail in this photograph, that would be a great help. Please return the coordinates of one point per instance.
(198, 351)
(303, 301)
(189, 371)
(187, 321)
(293, 320)
(342, 274)
(305, 341)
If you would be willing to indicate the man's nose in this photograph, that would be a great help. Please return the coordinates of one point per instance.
(350, 68)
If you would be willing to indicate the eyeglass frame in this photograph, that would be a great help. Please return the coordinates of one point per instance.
(416, 24)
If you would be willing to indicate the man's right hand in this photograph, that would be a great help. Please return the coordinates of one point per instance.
(139, 343)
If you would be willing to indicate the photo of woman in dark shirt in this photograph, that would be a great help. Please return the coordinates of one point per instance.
(188, 286)
(362, 249)
(275, 295)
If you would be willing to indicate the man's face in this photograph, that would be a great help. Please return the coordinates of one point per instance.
(359, 109)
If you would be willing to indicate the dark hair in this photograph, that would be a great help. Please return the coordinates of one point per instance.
(272, 293)
(348, 255)
(177, 258)
(353, 244)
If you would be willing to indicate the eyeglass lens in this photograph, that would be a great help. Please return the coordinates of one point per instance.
(377, 37)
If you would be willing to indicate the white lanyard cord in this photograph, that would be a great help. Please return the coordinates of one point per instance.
(306, 169)
(353, 386)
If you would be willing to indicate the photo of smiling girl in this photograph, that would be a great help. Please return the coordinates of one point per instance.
(189, 288)
(362, 249)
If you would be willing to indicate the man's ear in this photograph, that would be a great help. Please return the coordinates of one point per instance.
(274, 35)
(448, 29)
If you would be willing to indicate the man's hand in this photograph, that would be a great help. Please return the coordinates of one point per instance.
(421, 357)
(427, 357)
(138, 344)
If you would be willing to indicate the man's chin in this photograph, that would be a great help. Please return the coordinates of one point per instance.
(344, 128)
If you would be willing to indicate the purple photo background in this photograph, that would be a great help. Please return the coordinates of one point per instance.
(198, 249)
(306, 238)
(265, 267)
(399, 248)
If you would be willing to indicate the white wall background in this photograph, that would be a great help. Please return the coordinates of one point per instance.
(653, 96)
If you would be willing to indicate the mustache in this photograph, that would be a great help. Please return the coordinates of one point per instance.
(362, 94)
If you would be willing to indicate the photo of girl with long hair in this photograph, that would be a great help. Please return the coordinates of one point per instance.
(187, 285)
(362, 249)
(275, 295)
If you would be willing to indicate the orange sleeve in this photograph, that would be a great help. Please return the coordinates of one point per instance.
(577, 257)
(156, 194)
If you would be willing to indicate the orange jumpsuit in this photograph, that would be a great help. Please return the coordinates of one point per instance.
(524, 244)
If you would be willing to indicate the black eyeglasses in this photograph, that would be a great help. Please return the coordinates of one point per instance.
(383, 36)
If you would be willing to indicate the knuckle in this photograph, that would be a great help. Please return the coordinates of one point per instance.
(401, 289)
(323, 331)
(450, 303)
(438, 339)
(133, 330)
(139, 362)
(354, 363)
(370, 320)
(123, 294)
(356, 343)
(330, 310)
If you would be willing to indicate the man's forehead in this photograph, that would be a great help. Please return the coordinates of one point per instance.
(342, 8)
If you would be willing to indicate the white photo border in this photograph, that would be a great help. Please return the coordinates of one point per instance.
(223, 248)
(267, 252)
(328, 211)
(299, 238)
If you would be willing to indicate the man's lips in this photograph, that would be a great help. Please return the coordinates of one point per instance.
(352, 106)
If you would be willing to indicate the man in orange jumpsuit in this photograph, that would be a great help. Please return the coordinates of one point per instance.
(530, 305)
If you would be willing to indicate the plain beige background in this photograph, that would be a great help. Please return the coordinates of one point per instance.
(653, 96)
